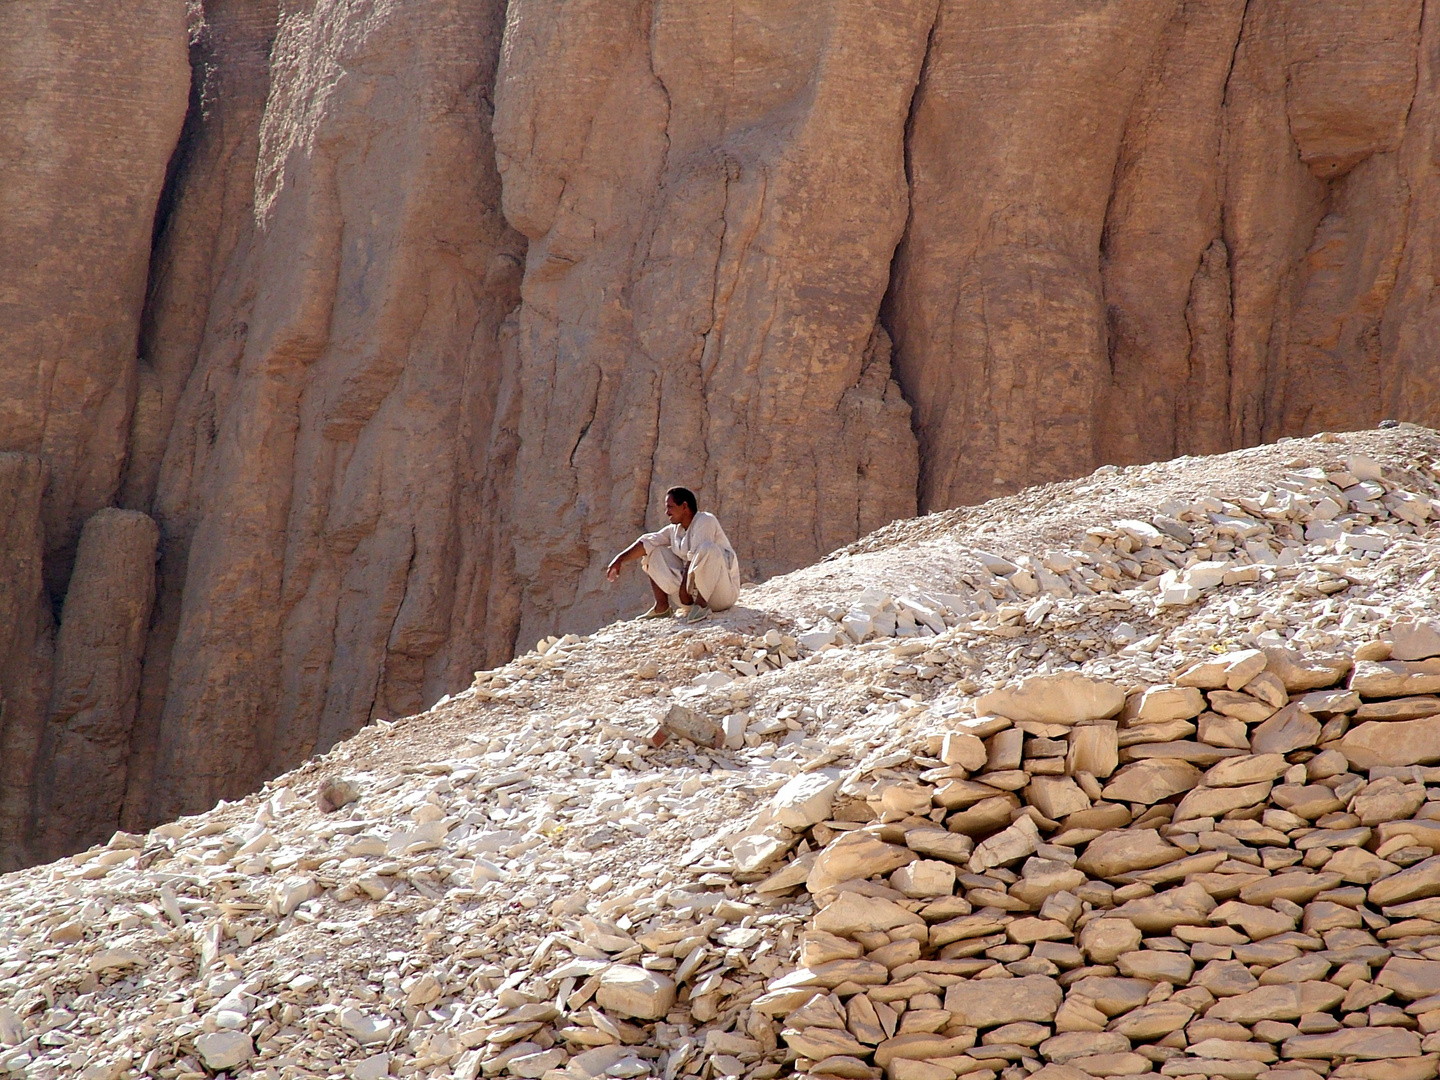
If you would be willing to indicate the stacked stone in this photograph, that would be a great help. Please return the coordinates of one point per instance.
(1186, 550)
(1231, 876)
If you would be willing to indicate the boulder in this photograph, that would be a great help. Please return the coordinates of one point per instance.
(1289, 729)
(806, 798)
(1152, 780)
(1279, 1002)
(1377, 743)
(224, 1049)
(1395, 678)
(1161, 703)
(1119, 851)
(855, 855)
(992, 1002)
(630, 991)
(1062, 698)
(1414, 639)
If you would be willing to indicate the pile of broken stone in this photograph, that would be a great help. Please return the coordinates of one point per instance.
(1231, 876)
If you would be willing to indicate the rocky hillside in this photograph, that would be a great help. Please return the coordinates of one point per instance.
(363, 332)
(1129, 775)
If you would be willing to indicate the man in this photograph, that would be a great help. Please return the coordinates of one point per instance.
(690, 562)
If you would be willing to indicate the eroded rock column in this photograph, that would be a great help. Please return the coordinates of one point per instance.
(92, 99)
(26, 641)
(80, 774)
(324, 491)
(712, 195)
(997, 309)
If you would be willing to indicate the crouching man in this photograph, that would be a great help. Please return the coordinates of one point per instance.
(690, 562)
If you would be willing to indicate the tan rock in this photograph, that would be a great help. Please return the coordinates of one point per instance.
(1161, 703)
(1062, 698)
(963, 928)
(1410, 708)
(1206, 674)
(1019, 840)
(1308, 671)
(1254, 921)
(634, 992)
(1218, 801)
(1268, 688)
(1414, 639)
(1064, 1047)
(1281, 1002)
(1112, 995)
(1217, 730)
(1094, 749)
(820, 947)
(1411, 979)
(1152, 780)
(855, 855)
(964, 750)
(823, 1042)
(1119, 851)
(1387, 800)
(1187, 905)
(984, 817)
(850, 914)
(924, 878)
(1395, 678)
(805, 799)
(1413, 883)
(1254, 769)
(1240, 706)
(1297, 886)
(1418, 832)
(1153, 1021)
(940, 844)
(1289, 729)
(1308, 801)
(1367, 1044)
(1243, 666)
(989, 1003)
(1056, 796)
(1155, 965)
(1359, 866)
(1105, 940)
(1392, 742)
(922, 1046)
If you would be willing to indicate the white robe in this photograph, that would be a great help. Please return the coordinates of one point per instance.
(703, 551)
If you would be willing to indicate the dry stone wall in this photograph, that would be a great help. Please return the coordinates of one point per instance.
(398, 324)
(938, 842)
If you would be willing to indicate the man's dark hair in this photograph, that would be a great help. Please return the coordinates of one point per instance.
(686, 496)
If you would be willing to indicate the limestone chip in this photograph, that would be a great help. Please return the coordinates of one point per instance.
(634, 992)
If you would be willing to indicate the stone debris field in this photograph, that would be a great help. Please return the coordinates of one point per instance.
(1139, 773)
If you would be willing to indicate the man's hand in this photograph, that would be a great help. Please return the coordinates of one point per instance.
(634, 551)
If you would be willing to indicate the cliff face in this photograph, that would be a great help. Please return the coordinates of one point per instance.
(388, 334)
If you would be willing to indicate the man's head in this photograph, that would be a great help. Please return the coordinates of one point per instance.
(680, 506)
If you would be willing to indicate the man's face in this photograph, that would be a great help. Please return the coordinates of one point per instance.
(673, 511)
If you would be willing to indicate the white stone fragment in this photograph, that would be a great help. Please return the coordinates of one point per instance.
(806, 798)
(224, 1049)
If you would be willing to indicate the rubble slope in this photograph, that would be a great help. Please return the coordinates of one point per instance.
(1123, 775)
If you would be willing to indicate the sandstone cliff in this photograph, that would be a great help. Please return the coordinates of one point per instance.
(398, 328)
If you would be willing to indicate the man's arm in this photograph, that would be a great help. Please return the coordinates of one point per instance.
(634, 551)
